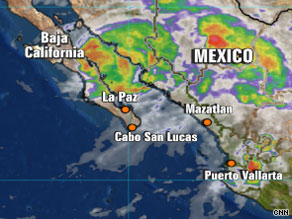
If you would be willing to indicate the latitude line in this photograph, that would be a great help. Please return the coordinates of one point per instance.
(122, 180)
(141, 7)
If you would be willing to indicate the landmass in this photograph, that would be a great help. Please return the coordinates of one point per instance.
(26, 10)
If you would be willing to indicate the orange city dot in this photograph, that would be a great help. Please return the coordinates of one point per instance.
(231, 163)
(132, 127)
(125, 109)
(207, 122)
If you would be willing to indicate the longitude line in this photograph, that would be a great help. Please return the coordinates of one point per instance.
(129, 149)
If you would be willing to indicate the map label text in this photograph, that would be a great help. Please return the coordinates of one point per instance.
(214, 109)
(222, 56)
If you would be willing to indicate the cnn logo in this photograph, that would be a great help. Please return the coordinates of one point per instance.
(281, 212)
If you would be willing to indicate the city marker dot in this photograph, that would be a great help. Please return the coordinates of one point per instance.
(207, 122)
(132, 127)
(231, 163)
(125, 109)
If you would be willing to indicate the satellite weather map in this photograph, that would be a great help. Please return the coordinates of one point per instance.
(145, 109)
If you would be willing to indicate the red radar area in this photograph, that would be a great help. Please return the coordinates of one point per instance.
(253, 165)
(217, 41)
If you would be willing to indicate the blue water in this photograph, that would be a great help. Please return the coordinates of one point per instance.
(41, 132)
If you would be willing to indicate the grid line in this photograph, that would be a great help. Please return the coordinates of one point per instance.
(143, 7)
(129, 146)
(126, 180)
